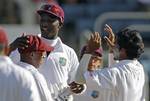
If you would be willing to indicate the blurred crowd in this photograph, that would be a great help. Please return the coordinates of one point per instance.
(80, 15)
(11, 10)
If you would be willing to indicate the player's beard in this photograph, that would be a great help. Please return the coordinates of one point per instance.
(52, 37)
(48, 35)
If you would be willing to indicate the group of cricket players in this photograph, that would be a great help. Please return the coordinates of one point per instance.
(42, 68)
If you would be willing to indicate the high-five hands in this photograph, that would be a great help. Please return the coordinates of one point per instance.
(111, 38)
(20, 42)
(94, 42)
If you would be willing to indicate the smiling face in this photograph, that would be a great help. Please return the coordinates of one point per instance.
(95, 62)
(37, 58)
(49, 25)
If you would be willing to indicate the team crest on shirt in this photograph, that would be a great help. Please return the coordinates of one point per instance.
(62, 61)
(94, 94)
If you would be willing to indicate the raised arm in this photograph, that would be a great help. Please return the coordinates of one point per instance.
(93, 44)
(20, 42)
(111, 44)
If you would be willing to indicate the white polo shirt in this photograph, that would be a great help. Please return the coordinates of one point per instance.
(16, 84)
(40, 81)
(92, 91)
(60, 66)
(124, 81)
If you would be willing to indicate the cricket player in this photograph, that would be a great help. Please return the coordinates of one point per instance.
(95, 63)
(16, 84)
(60, 66)
(123, 81)
(78, 89)
(31, 59)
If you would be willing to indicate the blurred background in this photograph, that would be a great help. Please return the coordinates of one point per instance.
(81, 18)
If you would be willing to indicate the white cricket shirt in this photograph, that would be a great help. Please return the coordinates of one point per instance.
(60, 67)
(40, 81)
(16, 84)
(124, 81)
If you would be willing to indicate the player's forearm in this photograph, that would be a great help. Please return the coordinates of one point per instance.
(83, 66)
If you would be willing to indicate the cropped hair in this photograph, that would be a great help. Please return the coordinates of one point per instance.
(131, 41)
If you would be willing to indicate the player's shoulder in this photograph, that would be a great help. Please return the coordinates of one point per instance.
(68, 48)
(108, 71)
(11, 67)
(21, 73)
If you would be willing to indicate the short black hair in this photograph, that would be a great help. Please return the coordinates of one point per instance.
(131, 41)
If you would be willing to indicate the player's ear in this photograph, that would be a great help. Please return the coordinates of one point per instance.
(6, 51)
(31, 54)
(60, 25)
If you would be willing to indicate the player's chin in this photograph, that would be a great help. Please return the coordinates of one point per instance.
(44, 34)
(90, 68)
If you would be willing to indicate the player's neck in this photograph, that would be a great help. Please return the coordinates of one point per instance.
(51, 42)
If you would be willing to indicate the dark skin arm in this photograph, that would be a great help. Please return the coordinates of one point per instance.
(76, 88)
(20, 42)
(93, 43)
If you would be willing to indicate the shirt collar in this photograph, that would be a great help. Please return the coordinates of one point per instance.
(56, 43)
(123, 62)
(127, 61)
(51, 42)
(27, 66)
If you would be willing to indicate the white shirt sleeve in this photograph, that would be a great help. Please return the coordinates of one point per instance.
(103, 77)
(28, 88)
(15, 56)
(42, 87)
(74, 63)
(82, 69)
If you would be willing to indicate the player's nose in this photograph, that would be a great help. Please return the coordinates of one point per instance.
(44, 26)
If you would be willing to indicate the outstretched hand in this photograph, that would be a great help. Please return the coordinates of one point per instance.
(111, 37)
(20, 42)
(94, 42)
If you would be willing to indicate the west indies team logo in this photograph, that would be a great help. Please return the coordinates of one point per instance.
(62, 61)
(94, 94)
